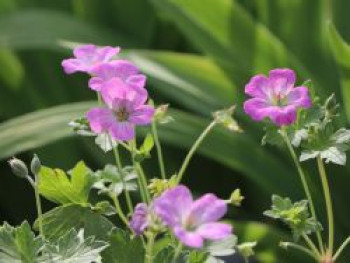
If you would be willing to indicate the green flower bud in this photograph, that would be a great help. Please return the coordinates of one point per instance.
(19, 168)
(158, 186)
(224, 117)
(35, 164)
(247, 249)
(236, 198)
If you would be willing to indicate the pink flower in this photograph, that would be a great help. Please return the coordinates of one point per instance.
(122, 69)
(139, 222)
(192, 221)
(86, 57)
(275, 97)
(125, 108)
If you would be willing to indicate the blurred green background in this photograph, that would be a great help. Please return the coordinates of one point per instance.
(198, 54)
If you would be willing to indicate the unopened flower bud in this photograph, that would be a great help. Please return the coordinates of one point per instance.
(158, 186)
(236, 198)
(247, 249)
(161, 114)
(224, 117)
(19, 168)
(35, 164)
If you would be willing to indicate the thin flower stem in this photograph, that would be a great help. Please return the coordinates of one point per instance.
(159, 149)
(246, 260)
(118, 209)
(122, 175)
(99, 99)
(193, 150)
(304, 183)
(142, 180)
(300, 248)
(329, 206)
(312, 246)
(35, 185)
(149, 249)
(177, 252)
(341, 249)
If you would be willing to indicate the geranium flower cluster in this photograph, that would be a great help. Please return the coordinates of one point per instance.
(192, 221)
(121, 87)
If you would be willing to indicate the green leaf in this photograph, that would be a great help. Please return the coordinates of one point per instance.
(341, 53)
(145, 149)
(62, 219)
(225, 31)
(39, 128)
(73, 247)
(12, 72)
(191, 80)
(295, 215)
(19, 245)
(57, 186)
(109, 180)
(123, 249)
(47, 28)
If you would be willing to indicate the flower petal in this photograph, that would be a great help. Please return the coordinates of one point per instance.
(299, 96)
(190, 239)
(72, 65)
(100, 119)
(214, 231)
(113, 89)
(257, 86)
(284, 116)
(138, 222)
(258, 108)
(138, 81)
(115, 69)
(173, 205)
(83, 51)
(207, 209)
(142, 115)
(96, 83)
(104, 54)
(122, 131)
(282, 81)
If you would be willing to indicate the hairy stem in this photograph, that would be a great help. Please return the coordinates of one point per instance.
(341, 249)
(149, 249)
(304, 183)
(122, 175)
(177, 252)
(300, 248)
(118, 209)
(329, 206)
(159, 149)
(193, 149)
(312, 246)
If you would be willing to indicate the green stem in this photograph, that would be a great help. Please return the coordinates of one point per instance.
(159, 149)
(99, 98)
(300, 248)
(142, 180)
(193, 150)
(118, 209)
(122, 175)
(35, 185)
(341, 249)
(327, 196)
(246, 259)
(149, 249)
(304, 183)
(177, 252)
(312, 246)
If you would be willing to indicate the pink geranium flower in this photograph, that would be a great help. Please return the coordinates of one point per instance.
(192, 221)
(125, 108)
(139, 222)
(86, 57)
(122, 69)
(275, 97)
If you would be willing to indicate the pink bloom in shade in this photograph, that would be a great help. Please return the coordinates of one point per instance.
(86, 57)
(192, 221)
(275, 97)
(122, 69)
(139, 222)
(125, 108)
